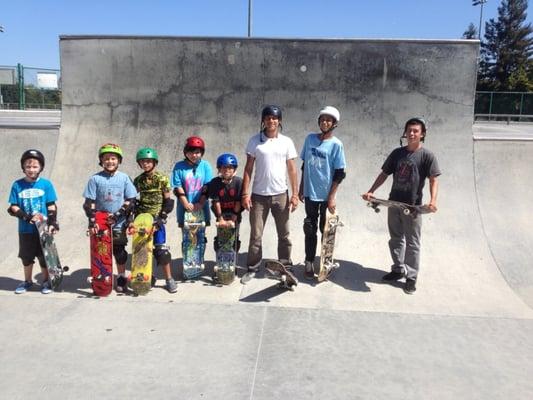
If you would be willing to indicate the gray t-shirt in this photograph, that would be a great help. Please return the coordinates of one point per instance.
(410, 171)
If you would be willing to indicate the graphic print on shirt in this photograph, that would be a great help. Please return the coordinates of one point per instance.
(32, 200)
(406, 178)
(317, 158)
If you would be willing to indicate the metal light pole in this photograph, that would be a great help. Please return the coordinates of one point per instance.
(249, 18)
(477, 3)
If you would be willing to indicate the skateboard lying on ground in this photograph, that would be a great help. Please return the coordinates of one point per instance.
(224, 270)
(407, 209)
(51, 258)
(276, 270)
(141, 253)
(327, 265)
(101, 278)
(193, 244)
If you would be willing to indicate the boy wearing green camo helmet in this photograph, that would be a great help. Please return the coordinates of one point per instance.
(154, 190)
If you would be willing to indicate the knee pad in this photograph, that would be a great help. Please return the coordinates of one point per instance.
(309, 226)
(162, 255)
(120, 254)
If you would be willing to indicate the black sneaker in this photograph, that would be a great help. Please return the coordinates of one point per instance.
(410, 286)
(392, 276)
(122, 284)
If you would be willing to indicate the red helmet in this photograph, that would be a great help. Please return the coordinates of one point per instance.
(194, 142)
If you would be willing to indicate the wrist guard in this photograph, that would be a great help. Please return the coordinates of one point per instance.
(52, 219)
(20, 213)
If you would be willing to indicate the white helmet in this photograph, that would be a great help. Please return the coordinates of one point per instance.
(332, 112)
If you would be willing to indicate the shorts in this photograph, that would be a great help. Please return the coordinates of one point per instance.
(29, 248)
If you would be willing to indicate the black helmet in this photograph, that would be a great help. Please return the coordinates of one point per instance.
(271, 110)
(32, 153)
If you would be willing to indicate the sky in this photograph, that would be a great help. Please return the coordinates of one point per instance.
(32, 28)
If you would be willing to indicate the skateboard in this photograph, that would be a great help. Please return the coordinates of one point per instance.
(51, 258)
(224, 270)
(141, 253)
(193, 244)
(327, 265)
(101, 278)
(276, 270)
(407, 209)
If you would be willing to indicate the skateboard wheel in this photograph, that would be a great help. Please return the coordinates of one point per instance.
(65, 268)
(284, 278)
(215, 268)
(107, 279)
(89, 279)
(406, 211)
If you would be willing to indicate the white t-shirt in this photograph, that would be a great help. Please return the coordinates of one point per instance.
(271, 157)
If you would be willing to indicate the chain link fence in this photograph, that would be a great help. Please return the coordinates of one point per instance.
(504, 106)
(24, 88)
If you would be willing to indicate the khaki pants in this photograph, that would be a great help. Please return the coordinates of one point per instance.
(278, 205)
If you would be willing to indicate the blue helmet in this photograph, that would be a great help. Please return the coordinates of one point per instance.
(227, 160)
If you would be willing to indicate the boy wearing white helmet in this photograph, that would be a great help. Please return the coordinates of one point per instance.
(323, 169)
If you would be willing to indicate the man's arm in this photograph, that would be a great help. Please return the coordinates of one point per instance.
(293, 180)
(433, 191)
(246, 196)
(382, 177)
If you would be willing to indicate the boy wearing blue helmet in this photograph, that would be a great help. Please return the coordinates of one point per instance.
(225, 191)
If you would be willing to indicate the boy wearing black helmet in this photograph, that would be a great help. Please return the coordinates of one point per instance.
(29, 197)
(322, 172)
(155, 199)
(410, 166)
(272, 154)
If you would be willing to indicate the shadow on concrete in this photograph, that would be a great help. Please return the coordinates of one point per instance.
(9, 284)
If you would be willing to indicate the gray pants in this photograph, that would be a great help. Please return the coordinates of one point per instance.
(404, 243)
(278, 205)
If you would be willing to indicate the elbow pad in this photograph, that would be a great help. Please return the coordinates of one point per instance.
(89, 209)
(339, 175)
(168, 205)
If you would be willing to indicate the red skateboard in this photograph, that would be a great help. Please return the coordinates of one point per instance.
(101, 278)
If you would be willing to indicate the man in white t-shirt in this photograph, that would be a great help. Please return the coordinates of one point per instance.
(274, 156)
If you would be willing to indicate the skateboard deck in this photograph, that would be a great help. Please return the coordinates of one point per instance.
(407, 209)
(141, 254)
(226, 255)
(193, 244)
(327, 264)
(276, 270)
(51, 257)
(101, 278)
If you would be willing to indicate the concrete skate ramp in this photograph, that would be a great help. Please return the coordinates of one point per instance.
(505, 197)
(156, 91)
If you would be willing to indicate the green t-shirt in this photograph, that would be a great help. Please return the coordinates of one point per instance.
(151, 189)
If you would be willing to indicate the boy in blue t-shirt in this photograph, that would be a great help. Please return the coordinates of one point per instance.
(322, 172)
(29, 198)
(190, 179)
(112, 191)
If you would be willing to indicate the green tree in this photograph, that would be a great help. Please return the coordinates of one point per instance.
(471, 32)
(507, 49)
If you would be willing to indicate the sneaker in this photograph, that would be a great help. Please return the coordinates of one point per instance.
(154, 280)
(247, 277)
(410, 286)
(170, 285)
(392, 276)
(23, 287)
(122, 284)
(45, 288)
(309, 272)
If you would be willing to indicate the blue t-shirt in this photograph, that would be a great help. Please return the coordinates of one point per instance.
(109, 192)
(32, 198)
(191, 179)
(321, 159)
